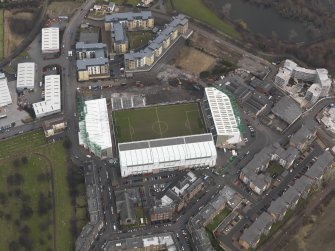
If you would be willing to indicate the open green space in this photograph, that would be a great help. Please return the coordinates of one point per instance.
(158, 122)
(139, 39)
(218, 219)
(132, 2)
(36, 209)
(274, 168)
(198, 10)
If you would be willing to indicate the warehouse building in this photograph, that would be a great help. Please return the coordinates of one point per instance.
(50, 40)
(152, 156)
(5, 98)
(52, 101)
(94, 128)
(226, 133)
(26, 73)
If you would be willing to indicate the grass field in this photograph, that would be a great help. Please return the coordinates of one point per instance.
(139, 39)
(132, 2)
(40, 179)
(197, 10)
(158, 122)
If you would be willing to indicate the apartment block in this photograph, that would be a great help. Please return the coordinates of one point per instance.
(92, 61)
(163, 41)
(131, 20)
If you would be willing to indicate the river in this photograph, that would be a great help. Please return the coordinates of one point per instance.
(264, 21)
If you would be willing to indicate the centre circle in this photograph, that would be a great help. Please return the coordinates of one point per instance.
(159, 127)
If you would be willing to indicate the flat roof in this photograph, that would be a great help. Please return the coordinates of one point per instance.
(5, 98)
(25, 75)
(223, 113)
(52, 101)
(50, 39)
(97, 123)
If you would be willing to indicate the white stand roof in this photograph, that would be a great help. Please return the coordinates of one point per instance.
(223, 115)
(169, 153)
(97, 123)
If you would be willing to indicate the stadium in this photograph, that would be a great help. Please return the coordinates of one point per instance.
(149, 139)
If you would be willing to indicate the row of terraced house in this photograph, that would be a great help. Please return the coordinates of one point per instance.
(287, 201)
(253, 173)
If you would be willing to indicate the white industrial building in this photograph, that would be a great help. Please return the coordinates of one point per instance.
(151, 156)
(50, 40)
(52, 101)
(94, 128)
(26, 73)
(226, 132)
(5, 98)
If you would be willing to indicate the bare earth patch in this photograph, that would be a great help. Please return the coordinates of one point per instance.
(66, 8)
(317, 235)
(193, 60)
(11, 39)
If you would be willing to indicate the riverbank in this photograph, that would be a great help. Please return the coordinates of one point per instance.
(197, 10)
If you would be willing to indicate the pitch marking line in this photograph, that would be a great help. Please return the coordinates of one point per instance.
(130, 127)
(188, 121)
(159, 124)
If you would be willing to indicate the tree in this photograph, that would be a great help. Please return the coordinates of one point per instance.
(26, 242)
(25, 230)
(8, 217)
(15, 180)
(25, 198)
(44, 204)
(26, 212)
(13, 246)
(17, 192)
(3, 198)
(24, 160)
(204, 74)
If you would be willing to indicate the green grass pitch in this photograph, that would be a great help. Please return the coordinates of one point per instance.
(158, 122)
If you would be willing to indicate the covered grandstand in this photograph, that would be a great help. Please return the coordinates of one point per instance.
(223, 118)
(94, 130)
(152, 156)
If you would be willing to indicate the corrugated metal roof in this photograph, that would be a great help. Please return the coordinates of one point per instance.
(5, 98)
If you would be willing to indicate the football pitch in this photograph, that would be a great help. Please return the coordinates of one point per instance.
(158, 122)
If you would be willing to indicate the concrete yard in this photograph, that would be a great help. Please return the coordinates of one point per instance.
(13, 114)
